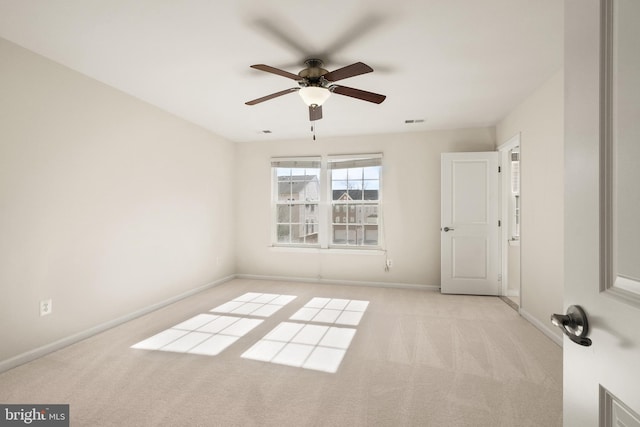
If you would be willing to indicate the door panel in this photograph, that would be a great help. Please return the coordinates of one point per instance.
(470, 252)
(596, 119)
(623, 133)
(469, 257)
(469, 191)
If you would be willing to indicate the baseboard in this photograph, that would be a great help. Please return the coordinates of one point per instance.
(28, 356)
(341, 282)
(550, 333)
(513, 293)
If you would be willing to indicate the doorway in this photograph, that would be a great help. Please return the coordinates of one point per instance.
(510, 160)
(470, 228)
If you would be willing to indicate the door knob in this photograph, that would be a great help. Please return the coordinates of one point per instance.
(573, 324)
(448, 229)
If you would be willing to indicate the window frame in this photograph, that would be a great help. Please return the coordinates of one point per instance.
(356, 161)
(293, 163)
(324, 206)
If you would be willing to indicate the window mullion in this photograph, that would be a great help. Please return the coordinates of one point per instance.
(324, 206)
(274, 205)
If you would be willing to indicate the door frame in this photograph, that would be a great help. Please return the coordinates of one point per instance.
(504, 149)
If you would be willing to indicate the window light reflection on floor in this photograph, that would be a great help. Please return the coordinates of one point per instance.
(204, 334)
(316, 347)
(328, 310)
(210, 334)
(306, 345)
(255, 304)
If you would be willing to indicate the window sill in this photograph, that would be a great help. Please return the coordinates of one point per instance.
(327, 251)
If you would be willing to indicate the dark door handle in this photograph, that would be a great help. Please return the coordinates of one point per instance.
(448, 229)
(573, 324)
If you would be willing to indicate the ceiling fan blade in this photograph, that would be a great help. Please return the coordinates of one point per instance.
(348, 71)
(357, 93)
(277, 71)
(273, 95)
(315, 112)
(283, 32)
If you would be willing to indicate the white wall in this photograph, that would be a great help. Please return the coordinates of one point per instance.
(107, 205)
(540, 119)
(411, 207)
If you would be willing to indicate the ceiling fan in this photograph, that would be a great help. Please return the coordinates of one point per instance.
(316, 85)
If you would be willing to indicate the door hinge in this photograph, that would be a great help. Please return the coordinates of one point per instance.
(499, 223)
(499, 169)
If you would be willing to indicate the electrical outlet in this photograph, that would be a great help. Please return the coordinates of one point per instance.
(46, 307)
(389, 263)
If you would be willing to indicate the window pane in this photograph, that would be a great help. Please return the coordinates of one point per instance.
(356, 184)
(340, 194)
(354, 173)
(371, 195)
(340, 234)
(369, 214)
(297, 233)
(355, 193)
(312, 189)
(311, 232)
(351, 236)
(297, 213)
(355, 235)
(371, 172)
(283, 233)
(297, 172)
(337, 213)
(371, 188)
(370, 235)
(284, 188)
(339, 174)
(340, 184)
(284, 214)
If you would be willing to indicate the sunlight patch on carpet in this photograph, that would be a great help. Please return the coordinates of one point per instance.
(255, 304)
(210, 334)
(204, 334)
(311, 342)
(332, 310)
(316, 347)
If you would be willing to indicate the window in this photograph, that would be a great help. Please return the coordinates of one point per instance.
(327, 202)
(514, 203)
(297, 185)
(355, 197)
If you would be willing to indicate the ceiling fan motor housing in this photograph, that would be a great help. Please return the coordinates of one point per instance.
(312, 75)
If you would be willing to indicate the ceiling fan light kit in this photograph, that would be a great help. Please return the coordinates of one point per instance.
(314, 95)
(315, 85)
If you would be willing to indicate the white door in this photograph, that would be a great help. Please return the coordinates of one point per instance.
(470, 254)
(602, 210)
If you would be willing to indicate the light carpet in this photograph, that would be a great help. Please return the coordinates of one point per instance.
(417, 358)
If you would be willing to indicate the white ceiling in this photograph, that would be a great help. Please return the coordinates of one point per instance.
(453, 63)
